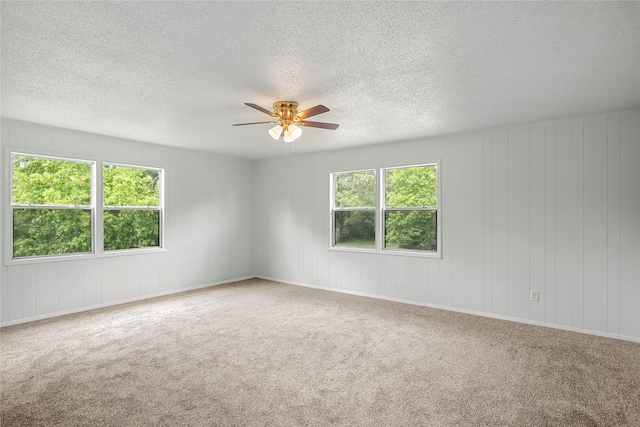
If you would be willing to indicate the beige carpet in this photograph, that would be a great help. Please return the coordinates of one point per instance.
(259, 353)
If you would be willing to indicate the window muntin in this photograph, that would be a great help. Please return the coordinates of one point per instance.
(353, 209)
(410, 208)
(51, 206)
(132, 213)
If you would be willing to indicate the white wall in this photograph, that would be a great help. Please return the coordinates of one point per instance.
(209, 228)
(553, 207)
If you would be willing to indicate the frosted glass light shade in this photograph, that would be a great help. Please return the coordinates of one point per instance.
(292, 133)
(275, 132)
(295, 131)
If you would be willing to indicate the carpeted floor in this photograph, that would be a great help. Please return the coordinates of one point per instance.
(260, 353)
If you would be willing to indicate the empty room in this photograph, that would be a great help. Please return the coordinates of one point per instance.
(313, 213)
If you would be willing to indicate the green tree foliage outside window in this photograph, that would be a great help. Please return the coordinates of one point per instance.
(131, 199)
(409, 208)
(51, 206)
(413, 191)
(355, 216)
(38, 232)
(51, 203)
(46, 181)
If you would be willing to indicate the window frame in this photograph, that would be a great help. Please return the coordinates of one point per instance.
(97, 211)
(159, 208)
(335, 209)
(91, 207)
(384, 209)
(381, 209)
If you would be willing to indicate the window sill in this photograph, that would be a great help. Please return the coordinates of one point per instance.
(391, 252)
(79, 257)
(352, 249)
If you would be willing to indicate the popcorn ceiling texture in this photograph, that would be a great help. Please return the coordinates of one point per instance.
(177, 73)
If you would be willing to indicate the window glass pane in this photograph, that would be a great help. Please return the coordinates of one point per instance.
(51, 231)
(355, 189)
(355, 229)
(43, 181)
(411, 230)
(128, 229)
(412, 186)
(129, 186)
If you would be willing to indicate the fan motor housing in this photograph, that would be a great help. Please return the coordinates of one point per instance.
(286, 110)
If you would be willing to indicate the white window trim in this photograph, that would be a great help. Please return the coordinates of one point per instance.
(333, 209)
(380, 210)
(384, 209)
(159, 208)
(97, 240)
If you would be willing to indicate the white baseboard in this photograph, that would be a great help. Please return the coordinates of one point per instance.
(362, 294)
(122, 301)
(462, 310)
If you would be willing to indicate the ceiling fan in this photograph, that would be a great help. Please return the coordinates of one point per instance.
(287, 118)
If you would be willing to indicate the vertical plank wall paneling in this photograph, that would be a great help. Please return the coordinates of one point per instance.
(208, 230)
(472, 294)
(563, 190)
(613, 224)
(577, 223)
(595, 224)
(441, 284)
(458, 241)
(500, 227)
(549, 291)
(553, 207)
(487, 222)
(518, 222)
(629, 227)
(536, 218)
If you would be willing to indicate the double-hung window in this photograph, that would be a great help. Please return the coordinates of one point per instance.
(52, 207)
(132, 207)
(55, 208)
(402, 217)
(410, 208)
(353, 212)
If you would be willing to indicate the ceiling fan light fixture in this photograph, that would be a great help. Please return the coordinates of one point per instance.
(294, 133)
(288, 137)
(275, 132)
(287, 119)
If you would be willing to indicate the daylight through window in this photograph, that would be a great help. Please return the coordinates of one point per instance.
(51, 206)
(403, 218)
(410, 208)
(55, 210)
(354, 209)
(132, 211)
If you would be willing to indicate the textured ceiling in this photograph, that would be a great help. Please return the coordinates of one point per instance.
(178, 73)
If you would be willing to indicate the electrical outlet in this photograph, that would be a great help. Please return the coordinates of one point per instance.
(281, 263)
(220, 264)
(534, 296)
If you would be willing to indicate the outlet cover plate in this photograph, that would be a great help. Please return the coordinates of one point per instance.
(534, 296)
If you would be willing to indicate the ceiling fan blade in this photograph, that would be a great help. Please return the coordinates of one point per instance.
(332, 126)
(313, 111)
(253, 123)
(259, 108)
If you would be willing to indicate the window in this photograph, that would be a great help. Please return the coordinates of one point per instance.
(353, 210)
(410, 208)
(55, 210)
(51, 206)
(404, 218)
(132, 213)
